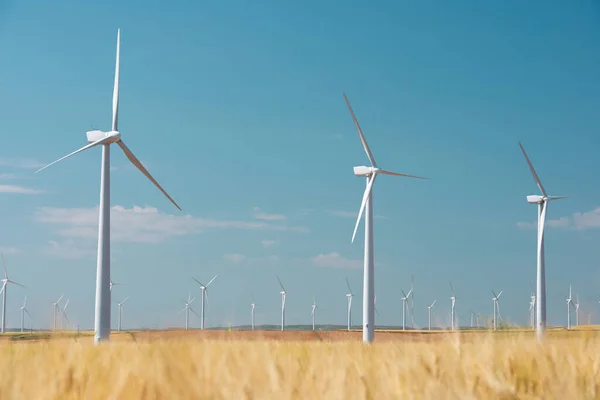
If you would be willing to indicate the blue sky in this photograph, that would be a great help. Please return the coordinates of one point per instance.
(236, 108)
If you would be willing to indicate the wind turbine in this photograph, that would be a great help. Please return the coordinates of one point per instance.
(577, 311)
(253, 306)
(496, 306)
(412, 302)
(120, 313)
(404, 307)
(569, 305)
(5, 282)
(542, 202)
(472, 313)
(312, 313)
(532, 310)
(23, 311)
(370, 173)
(349, 295)
(55, 309)
(283, 293)
(111, 284)
(187, 309)
(203, 288)
(429, 310)
(453, 301)
(64, 314)
(105, 139)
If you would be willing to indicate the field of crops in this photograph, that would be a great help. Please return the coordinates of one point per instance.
(223, 365)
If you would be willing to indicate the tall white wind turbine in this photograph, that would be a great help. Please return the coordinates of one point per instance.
(96, 138)
(370, 173)
(187, 309)
(120, 313)
(55, 311)
(542, 202)
(452, 302)
(23, 311)
(5, 283)
(429, 312)
(496, 306)
(283, 293)
(532, 310)
(569, 305)
(349, 295)
(404, 307)
(204, 297)
(252, 307)
(312, 313)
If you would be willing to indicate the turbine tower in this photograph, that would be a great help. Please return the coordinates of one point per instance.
(404, 307)
(496, 306)
(370, 173)
(349, 295)
(96, 138)
(55, 311)
(542, 202)
(472, 314)
(283, 293)
(23, 311)
(204, 297)
(429, 311)
(532, 310)
(452, 301)
(569, 305)
(120, 313)
(5, 282)
(187, 310)
(253, 306)
(312, 313)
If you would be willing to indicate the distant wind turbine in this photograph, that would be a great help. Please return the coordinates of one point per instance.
(312, 313)
(253, 306)
(120, 313)
(496, 306)
(5, 282)
(452, 301)
(105, 139)
(23, 311)
(532, 310)
(111, 284)
(429, 311)
(569, 305)
(542, 202)
(370, 173)
(577, 311)
(349, 295)
(204, 297)
(283, 293)
(187, 310)
(55, 311)
(404, 307)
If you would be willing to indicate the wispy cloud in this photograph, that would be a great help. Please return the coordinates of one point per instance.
(8, 177)
(143, 224)
(335, 260)
(259, 214)
(350, 214)
(243, 259)
(234, 258)
(10, 250)
(268, 243)
(25, 163)
(577, 221)
(15, 189)
(68, 249)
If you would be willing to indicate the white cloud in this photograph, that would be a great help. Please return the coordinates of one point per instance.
(18, 189)
(268, 243)
(335, 260)
(258, 214)
(25, 163)
(350, 214)
(577, 221)
(234, 258)
(6, 177)
(10, 250)
(142, 224)
(67, 249)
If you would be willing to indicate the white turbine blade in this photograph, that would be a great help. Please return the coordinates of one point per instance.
(348, 284)
(495, 295)
(211, 281)
(452, 288)
(558, 197)
(409, 292)
(500, 294)
(123, 302)
(115, 110)
(65, 315)
(25, 302)
(89, 146)
(199, 283)
(144, 171)
(405, 296)
(364, 203)
(280, 284)
(66, 304)
(433, 303)
(385, 172)
(27, 311)
(180, 311)
(535, 175)
(3, 286)
(15, 283)
(59, 299)
(192, 300)
(360, 134)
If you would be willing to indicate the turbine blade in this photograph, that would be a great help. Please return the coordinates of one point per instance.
(500, 294)
(211, 281)
(15, 283)
(27, 311)
(66, 304)
(280, 284)
(348, 284)
(385, 172)
(67, 318)
(192, 300)
(89, 146)
(59, 299)
(144, 171)
(360, 134)
(495, 295)
(3, 286)
(199, 283)
(452, 288)
(405, 296)
(192, 310)
(364, 203)
(25, 302)
(180, 311)
(115, 110)
(4, 266)
(123, 302)
(558, 197)
(409, 292)
(535, 175)
(433, 303)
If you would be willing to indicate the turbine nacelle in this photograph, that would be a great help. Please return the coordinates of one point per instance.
(365, 171)
(535, 199)
(94, 136)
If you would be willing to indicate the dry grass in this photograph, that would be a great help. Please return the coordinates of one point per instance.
(444, 366)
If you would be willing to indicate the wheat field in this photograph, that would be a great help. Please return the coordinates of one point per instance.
(475, 366)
